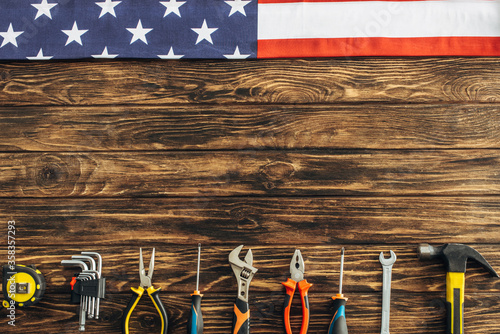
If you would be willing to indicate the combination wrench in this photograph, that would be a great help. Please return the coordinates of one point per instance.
(386, 290)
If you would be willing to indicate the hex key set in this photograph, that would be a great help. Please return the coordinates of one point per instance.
(88, 287)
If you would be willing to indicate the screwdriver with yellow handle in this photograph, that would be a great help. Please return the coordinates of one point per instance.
(338, 324)
(195, 323)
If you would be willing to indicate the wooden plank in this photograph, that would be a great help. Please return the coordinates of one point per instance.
(266, 81)
(410, 313)
(220, 127)
(243, 173)
(175, 267)
(60, 223)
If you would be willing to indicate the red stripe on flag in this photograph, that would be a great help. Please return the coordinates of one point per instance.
(298, 1)
(379, 46)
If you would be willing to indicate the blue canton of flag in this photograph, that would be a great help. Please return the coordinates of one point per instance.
(172, 29)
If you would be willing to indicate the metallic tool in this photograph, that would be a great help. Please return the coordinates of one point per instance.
(153, 293)
(386, 289)
(84, 300)
(91, 301)
(244, 271)
(88, 286)
(82, 311)
(455, 257)
(99, 270)
(297, 279)
(338, 324)
(195, 322)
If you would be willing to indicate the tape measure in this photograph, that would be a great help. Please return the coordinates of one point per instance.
(24, 285)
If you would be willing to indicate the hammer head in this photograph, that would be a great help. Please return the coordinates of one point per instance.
(455, 256)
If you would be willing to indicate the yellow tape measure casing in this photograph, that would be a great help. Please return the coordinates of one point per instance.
(24, 285)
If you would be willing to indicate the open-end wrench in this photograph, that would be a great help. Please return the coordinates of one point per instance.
(386, 289)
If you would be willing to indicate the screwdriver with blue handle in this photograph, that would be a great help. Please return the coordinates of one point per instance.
(338, 324)
(195, 323)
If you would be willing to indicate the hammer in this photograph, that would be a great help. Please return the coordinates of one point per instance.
(455, 258)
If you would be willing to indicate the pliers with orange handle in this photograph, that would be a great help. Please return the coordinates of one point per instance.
(297, 279)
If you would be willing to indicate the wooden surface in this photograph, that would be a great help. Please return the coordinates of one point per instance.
(370, 154)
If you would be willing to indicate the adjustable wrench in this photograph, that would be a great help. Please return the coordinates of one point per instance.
(386, 289)
(244, 271)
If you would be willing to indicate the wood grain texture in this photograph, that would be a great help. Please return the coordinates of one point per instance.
(175, 268)
(243, 173)
(237, 127)
(59, 223)
(264, 81)
(410, 313)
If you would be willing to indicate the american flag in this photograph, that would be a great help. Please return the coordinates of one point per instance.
(241, 29)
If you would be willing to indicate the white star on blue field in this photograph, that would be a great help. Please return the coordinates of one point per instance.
(167, 29)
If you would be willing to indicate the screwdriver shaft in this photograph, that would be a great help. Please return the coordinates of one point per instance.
(338, 324)
(195, 323)
(341, 269)
(198, 270)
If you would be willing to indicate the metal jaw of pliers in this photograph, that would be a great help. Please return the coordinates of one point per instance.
(244, 271)
(154, 294)
(297, 279)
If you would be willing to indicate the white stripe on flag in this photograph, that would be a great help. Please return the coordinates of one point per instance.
(398, 19)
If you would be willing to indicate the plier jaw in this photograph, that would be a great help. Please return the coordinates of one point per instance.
(146, 278)
(297, 266)
(297, 280)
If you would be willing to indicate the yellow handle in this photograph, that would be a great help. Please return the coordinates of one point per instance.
(455, 286)
(136, 295)
(154, 294)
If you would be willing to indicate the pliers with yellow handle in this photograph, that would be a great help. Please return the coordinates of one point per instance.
(153, 293)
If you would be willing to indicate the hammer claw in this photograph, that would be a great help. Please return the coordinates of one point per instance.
(455, 256)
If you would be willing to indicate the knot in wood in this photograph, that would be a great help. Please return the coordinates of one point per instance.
(241, 212)
(149, 321)
(107, 316)
(4, 75)
(51, 175)
(247, 223)
(277, 171)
